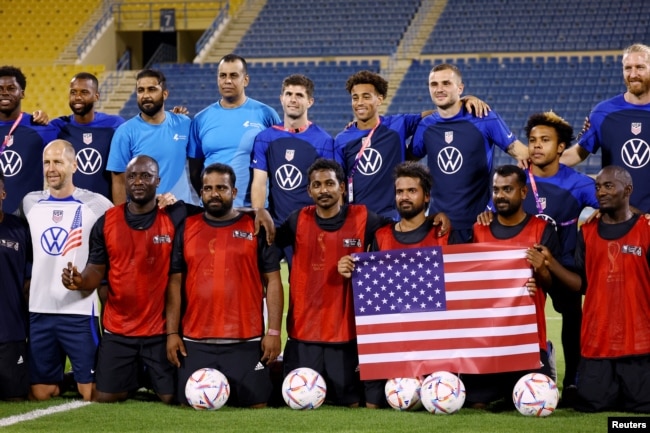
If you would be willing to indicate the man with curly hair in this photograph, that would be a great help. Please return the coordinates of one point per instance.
(370, 148)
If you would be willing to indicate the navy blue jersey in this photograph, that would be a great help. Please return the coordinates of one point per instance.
(562, 198)
(91, 142)
(22, 159)
(460, 152)
(15, 258)
(286, 156)
(620, 130)
(373, 176)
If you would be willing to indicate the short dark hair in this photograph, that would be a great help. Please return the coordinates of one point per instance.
(299, 80)
(416, 171)
(231, 58)
(448, 67)
(2, 177)
(368, 77)
(327, 165)
(12, 71)
(86, 76)
(550, 119)
(220, 168)
(153, 73)
(510, 169)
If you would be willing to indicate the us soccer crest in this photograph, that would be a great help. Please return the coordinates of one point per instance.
(88, 137)
(636, 128)
(289, 154)
(449, 136)
(542, 202)
(57, 216)
(9, 140)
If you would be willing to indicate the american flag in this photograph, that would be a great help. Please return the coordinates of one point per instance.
(74, 235)
(460, 308)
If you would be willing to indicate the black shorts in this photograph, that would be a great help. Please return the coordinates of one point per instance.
(614, 384)
(337, 363)
(375, 392)
(487, 388)
(117, 364)
(249, 379)
(14, 377)
(566, 301)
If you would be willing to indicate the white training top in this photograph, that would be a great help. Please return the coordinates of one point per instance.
(60, 231)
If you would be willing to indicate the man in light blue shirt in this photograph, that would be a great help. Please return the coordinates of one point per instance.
(156, 133)
(225, 131)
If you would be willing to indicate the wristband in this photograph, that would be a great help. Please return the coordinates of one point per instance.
(172, 333)
(273, 332)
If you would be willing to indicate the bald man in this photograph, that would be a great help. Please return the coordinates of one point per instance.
(62, 322)
(613, 256)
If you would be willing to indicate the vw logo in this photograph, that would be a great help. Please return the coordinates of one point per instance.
(450, 160)
(370, 162)
(89, 160)
(10, 163)
(635, 153)
(288, 177)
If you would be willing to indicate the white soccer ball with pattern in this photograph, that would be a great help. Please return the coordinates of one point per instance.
(442, 393)
(535, 394)
(403, 393)
(207, 389)
(304, 388)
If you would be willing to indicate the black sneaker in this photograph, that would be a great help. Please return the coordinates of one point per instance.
(569, 397)
(68, 385)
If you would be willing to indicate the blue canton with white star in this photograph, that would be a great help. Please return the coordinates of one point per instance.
(399, 281)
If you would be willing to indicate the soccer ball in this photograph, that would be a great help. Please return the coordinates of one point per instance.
(207, 389)
(535, 394)
(442, 393)
(304, 388)
(403, 393)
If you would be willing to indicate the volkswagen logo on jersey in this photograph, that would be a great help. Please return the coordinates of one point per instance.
(450, 160)
(89, 161)
(288, 177)
(370, 162)
(10, 163)
(53, 240)
(635, 153)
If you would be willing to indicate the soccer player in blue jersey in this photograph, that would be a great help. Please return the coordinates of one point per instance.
(21, 140)
(559, 194)
(620, 127)
(160, 134)
(286, 151)
(90, 132)
(370, 149)
(460, 149)
(224, 131)
(15, 256)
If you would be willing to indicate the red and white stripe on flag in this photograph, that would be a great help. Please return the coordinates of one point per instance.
(485, 321)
